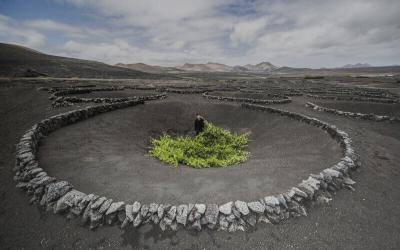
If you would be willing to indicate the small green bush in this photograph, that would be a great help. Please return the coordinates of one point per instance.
(214, 147)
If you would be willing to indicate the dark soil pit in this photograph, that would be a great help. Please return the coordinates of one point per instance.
(116, 94)
(363, 107)
(108, 154)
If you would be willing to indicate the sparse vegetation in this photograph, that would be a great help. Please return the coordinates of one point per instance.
(214, 147)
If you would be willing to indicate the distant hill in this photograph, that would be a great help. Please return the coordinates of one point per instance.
(357, 65)
(19, 61)
(149, 68)
(208, 67)
(261, 67)
(264, 67)
(339, 71)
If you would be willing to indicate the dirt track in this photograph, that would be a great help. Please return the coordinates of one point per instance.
(368, 218)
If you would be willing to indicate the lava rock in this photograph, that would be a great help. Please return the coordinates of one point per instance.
(56, 190)
(226, 208)
(67, 201)
(116, 206)
(136, 207)
(211, 214)
(182, 212)
(256, 207)
(242, 207)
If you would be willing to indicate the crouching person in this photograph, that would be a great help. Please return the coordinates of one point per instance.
(199, 123)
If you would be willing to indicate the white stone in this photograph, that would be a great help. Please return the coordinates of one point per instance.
(226, 208)
(256, 207)
(242, 207)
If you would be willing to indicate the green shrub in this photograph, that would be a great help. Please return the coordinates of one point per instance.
(214, 147)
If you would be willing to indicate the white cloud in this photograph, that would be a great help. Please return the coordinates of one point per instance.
(296, 33)
(11, 31)
(65, 29)
(248, 31)
(335, 32)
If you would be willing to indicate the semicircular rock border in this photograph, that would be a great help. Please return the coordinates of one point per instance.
(58, 95)
(356, 98)
(285, 91)
(182, 91)
(63, 101)
(247, 100)
(61, 197)
(371, 116)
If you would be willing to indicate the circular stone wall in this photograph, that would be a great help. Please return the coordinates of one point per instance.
(116, 94)
(107, 154)
(243, 94)
(364, 107)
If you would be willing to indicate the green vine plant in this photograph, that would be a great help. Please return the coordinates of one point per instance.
(214, 147)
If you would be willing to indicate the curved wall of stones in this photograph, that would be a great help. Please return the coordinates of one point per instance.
(67, 101)
(60, 196)
(355, 98)
(79, 90)
(281, 92)
(246, 100)
(182, 91)
(372, 117)
(58, 95)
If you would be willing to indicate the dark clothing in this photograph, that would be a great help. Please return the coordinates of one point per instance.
(198, 125)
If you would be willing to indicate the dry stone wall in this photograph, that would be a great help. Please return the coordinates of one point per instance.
(355, 98)
(60, 196)
(372, 117)
(58, 95)
(246, 100)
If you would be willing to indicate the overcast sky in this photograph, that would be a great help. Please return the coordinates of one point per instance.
(304, 33)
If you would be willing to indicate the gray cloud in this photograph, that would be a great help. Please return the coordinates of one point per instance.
(300, 33)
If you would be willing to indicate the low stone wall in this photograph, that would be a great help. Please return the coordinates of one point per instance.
(278, 92)
(67, 101)
(182, 91)
(60, 196)
(355, 98)
(372, 117)
(246, 100)
(80, 90)
(352, 93)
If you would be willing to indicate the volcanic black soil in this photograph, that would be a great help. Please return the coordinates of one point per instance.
(368, 218)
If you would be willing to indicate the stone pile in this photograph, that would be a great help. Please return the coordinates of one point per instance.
(247, 100)
(372, 117)
(60, 196)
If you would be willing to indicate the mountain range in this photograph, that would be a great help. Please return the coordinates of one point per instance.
(263, 67)
(357, 65)
(19, 61)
